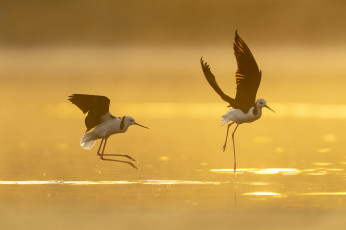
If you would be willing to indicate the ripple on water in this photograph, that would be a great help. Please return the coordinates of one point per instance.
(146, 182)
(283, 171)
(323, 194)
(263, 194)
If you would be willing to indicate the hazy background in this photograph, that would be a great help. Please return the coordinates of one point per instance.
(144, 56)
(297, 44)
(177, 22)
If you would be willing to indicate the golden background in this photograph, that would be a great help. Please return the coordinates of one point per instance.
(144, 56)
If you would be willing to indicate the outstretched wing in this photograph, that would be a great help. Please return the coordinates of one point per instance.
(96, 106)
(248, 76)
(212, 81)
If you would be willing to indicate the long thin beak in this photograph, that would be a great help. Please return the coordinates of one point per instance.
(141, 125)
(269, 108)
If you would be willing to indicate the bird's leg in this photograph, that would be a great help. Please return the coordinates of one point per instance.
(224, 146)
(104, 146)
(106, 159)
(235, 162)
(120, 155)
(98, 151)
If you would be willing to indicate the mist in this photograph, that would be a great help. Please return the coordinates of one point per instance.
(162, 23)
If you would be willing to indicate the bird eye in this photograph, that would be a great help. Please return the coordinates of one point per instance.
(131, 120)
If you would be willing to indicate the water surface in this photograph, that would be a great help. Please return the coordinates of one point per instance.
(292, 163)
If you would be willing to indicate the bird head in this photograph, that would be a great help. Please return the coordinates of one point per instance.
(128, 121)
(263, 103)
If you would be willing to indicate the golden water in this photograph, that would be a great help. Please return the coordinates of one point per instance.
(292, 163)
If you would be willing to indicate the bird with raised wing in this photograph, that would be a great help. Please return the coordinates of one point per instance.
(101, 124)
(245, 107)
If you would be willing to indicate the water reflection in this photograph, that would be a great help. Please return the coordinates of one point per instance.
(324, 194)
(262, 194)
(282, 171)
(257, 183)
(287, 171)
(324, 150)
(145, 182)
(322, 163)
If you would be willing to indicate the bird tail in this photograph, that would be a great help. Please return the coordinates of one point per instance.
(88, 140)
(226, 117)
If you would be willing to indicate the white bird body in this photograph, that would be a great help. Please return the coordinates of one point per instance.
(245, 108)
(101, 124)
(108, 127)
(239, 117)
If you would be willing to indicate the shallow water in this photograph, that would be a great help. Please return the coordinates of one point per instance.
(291, 164)
(284, 198)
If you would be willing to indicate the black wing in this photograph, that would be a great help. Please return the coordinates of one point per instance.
(94, 105)
(248, 76)
(212, 81)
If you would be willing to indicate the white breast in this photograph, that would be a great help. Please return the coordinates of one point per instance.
(239, 117)
(108, 127)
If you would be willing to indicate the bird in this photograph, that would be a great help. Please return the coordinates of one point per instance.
(244, 107)
(101, 124)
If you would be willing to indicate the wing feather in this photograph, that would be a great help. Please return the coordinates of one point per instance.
(94, 105)
(212, 81)
(248, 76)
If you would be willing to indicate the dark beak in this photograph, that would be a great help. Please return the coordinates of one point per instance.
(141, 125)
(269, 108)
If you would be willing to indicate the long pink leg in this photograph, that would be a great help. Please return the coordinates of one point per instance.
(224, 146)
(235, 162)
(98, 151)
(120, 155)
(106, 159)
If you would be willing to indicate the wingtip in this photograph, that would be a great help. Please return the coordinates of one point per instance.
(204, 64)
(236, 40)
(71, 96)
(236, 37)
